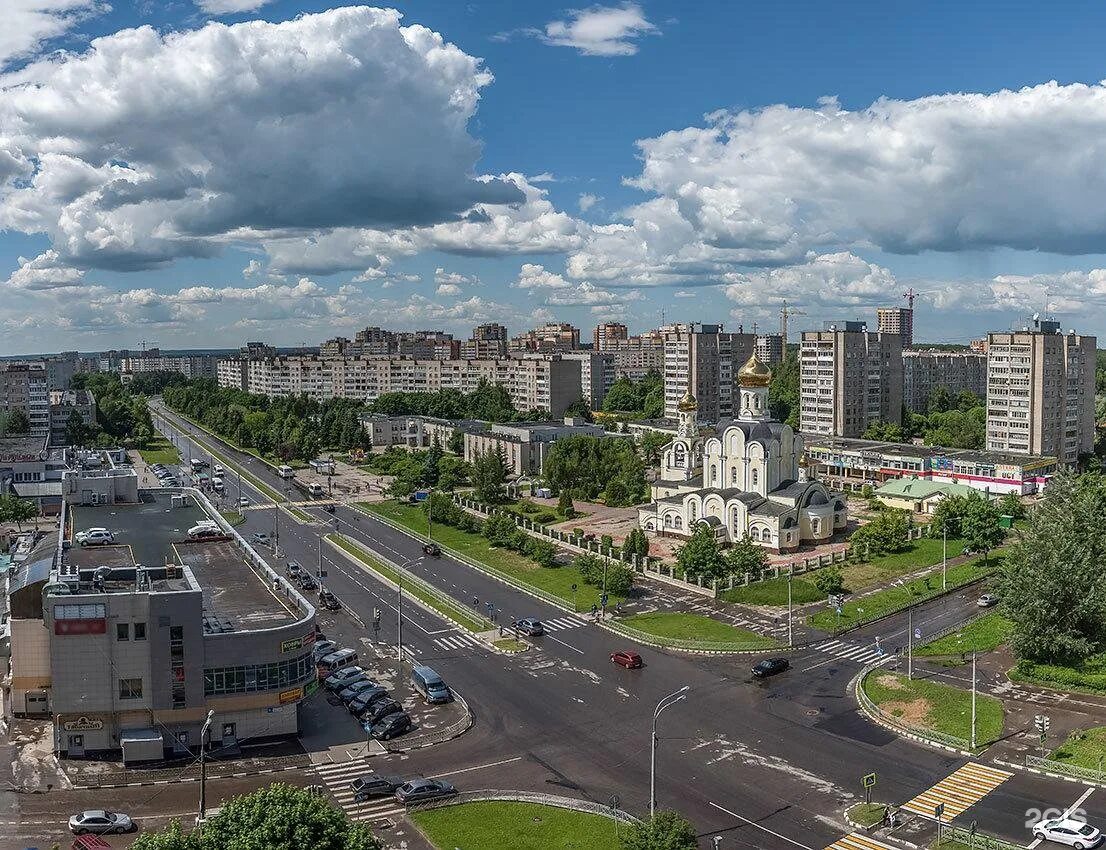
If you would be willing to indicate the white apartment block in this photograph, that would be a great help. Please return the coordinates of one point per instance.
(849, 379)
(536, 383)
(596, 375)
(770, 349)
(24, 386)
(705, 360)
(189, 365)
(1040, 392)
(925, 370)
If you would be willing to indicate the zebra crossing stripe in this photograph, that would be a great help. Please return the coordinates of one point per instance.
(959, 790)
(337, 778)
(858, 841)
(570, 622)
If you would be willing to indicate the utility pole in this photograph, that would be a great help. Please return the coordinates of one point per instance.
(205, 732)
(944, 555)
(973, 702)
(790, 635)
(665, 702)
(910, 642)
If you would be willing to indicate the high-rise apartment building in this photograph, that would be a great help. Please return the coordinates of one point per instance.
(704, 359)
(374, 340)
(550, 338)
(23, 388)
(897, 320)
(770, 349)
(849, 379)
(609, 335)
(596, 374)
(189, 365)
(1040, 392)
(923, 370)
(488, 341)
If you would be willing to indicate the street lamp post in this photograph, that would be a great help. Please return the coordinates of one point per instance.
(790, 636)
(665, 702)
(204, 732)
(973, 702)
(944, 555)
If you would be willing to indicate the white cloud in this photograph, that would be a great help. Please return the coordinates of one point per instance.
(150, 147)
(29, 24)
(44, 272)
(230, 7)
(533, 276)
(455, 279)
(826, 282)
(253, 268)
(600, 30)
(587, 200)
(588, 294)
(448, 289)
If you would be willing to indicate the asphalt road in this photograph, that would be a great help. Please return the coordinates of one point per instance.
(762, 764)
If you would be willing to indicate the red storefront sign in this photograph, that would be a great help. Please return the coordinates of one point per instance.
(80, 627)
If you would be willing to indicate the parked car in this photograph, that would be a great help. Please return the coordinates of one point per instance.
(339, 679)
(375, 711)
(217, 470)
(987, 600)
(391, 726)
(329, 508)
(199, 532)
(261, 537)
(431, 549)
(1073, 833)
(770, 667)
(366, 698)
(329, 601)
(430, 685)
(417, 790)
(323, 648)
(374, 785)
(306, 581)
(627, 659)
(349, 693)
(95, 537)
(530, 626)
(243, 501)
(100, 822)
(293, 569)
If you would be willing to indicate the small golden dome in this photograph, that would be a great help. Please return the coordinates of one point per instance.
(754, 373)
(688, 404)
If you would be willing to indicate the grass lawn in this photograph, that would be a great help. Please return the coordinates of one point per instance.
(867, 814)
(921, 702)
(984, 635)
(1090, 676)
(693, 627)
(1085, 748)
(555, 580)
(453, 611)
(510, 645)
(774, 592)
(233, 517)
(532, 510)
(302, 516)
(160, 450)
(923, 552)
(893, 599)
(516, 826)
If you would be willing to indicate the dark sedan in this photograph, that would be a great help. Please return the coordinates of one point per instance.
(391, 726)
(417, 790)
(366, 698)
(374, 785)
(770, 667)
(376, 711)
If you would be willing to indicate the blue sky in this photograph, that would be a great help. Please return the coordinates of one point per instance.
(216, 179)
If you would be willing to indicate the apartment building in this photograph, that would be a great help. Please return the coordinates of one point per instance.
(849, 379)
(596, 375)
(63, 404)
(923, 370)
(548, 383)
(374, 340)
(23, 387)
(770, 349)
(896, 320)
(189, 365)
(524, 445)
(489, 341)
(551, 337)
(1040, 392)
(609, 335)
(427, 345)
(339, 346)
(705, 360)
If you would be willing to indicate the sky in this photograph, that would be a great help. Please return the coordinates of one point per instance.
(199, 173)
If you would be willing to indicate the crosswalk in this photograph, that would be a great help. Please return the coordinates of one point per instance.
(458, 641)
(859, 841)
(958, 791)
(862, 655)
(337, 777)
(569, 622)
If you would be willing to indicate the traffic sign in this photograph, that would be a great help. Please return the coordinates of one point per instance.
(938, 810)
(868, 780)
(917, 634)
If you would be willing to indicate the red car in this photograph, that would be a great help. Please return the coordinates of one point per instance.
(629, 660)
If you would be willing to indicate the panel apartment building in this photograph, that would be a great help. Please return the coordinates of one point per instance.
(704, 359)
(849, 379)
(549, 383)
(23, 387)
(923, 370)
(897, 320)
(1040, 392)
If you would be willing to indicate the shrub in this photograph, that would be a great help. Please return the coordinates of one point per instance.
(545, 517)
(606, 541)
(543, 552)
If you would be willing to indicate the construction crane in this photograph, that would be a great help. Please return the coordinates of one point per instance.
(910, 295)
(786, 312)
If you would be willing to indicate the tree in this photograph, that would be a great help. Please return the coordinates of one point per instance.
(17, 422)
(565, 506)
(489, 473)
(76, 432)
(746, 557)
(783, 391)
(1052, 584)
(829, 580)
(886, 533)
(589, 466)
(1012, 506)
(940, 400)
(456, 442)
(278, 817)
(622, 396)
(652, 442)
(700, 555)
(980, 525)
(580, 409)
(636, 543)
(19, 511)
(619, 579)
(665, 831)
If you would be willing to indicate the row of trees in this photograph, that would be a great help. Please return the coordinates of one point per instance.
(417, 469)
(121, 411)
(955, 422)
(597, 467)
(488, 403)
(702, 556)
(644, 398)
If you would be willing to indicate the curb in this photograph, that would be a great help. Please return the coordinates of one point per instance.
(1048, 773)
(856, 827)
(77, 786)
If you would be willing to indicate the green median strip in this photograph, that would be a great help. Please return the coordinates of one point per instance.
(495, 825)
(453, 611)
(926, 704)
(689, 628)
(983, 635)
(302, 516)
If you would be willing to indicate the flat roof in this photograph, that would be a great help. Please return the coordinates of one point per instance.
(149, 527)
(913, 450)
(231, 590)
(22, 447)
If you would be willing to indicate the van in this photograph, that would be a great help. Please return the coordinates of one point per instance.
(286, 471)
(430, 685)
(336, 661)
(316, 491)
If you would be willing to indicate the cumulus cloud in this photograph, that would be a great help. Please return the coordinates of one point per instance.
(534, 276)
(45, 272)
(454, 279)
(587, 200)
(600, 30)
(230, 7)
(826, 281)
(150, 147)
(448, 289)
(29, 24)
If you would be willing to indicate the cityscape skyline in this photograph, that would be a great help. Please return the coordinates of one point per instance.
(111, 232)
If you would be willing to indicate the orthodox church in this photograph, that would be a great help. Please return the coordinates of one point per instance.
(742, 477)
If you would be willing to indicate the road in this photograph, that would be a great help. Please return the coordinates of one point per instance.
(749, 761)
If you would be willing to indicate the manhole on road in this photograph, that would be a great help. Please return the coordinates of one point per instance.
(813, 712)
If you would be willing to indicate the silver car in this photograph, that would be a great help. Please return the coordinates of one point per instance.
(100, 822)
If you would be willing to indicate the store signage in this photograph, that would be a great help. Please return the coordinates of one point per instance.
(290, 695)
(80, 627)
(82, 724)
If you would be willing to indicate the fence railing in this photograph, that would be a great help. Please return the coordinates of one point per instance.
(440, 736)
(949, 630)
(1073, 770)
(700, 645)
(898, 723)
(586, 806)
(960, 837)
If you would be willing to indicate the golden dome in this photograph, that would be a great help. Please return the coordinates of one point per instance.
(687, 404)
(754, 373)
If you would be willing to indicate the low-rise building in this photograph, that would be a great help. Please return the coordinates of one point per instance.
(918, 495)
(63, 405)
(524, 445)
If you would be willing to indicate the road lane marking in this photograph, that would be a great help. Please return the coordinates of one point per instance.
(477, 767)
(958, 791)
(764, 828)
(1077, 803)
(858, 841)
(562, 643)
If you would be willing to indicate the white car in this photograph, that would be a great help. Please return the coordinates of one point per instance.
(100, 822)
(987, 600)
(1073, 833)
(217, 483)
(261, 537)
(217, 469)
(94, 537)
(243, 501)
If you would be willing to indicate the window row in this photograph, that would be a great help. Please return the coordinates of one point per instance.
(257, 677)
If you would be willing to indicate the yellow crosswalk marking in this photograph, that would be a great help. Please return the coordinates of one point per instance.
(858, 841)
(959, 790)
